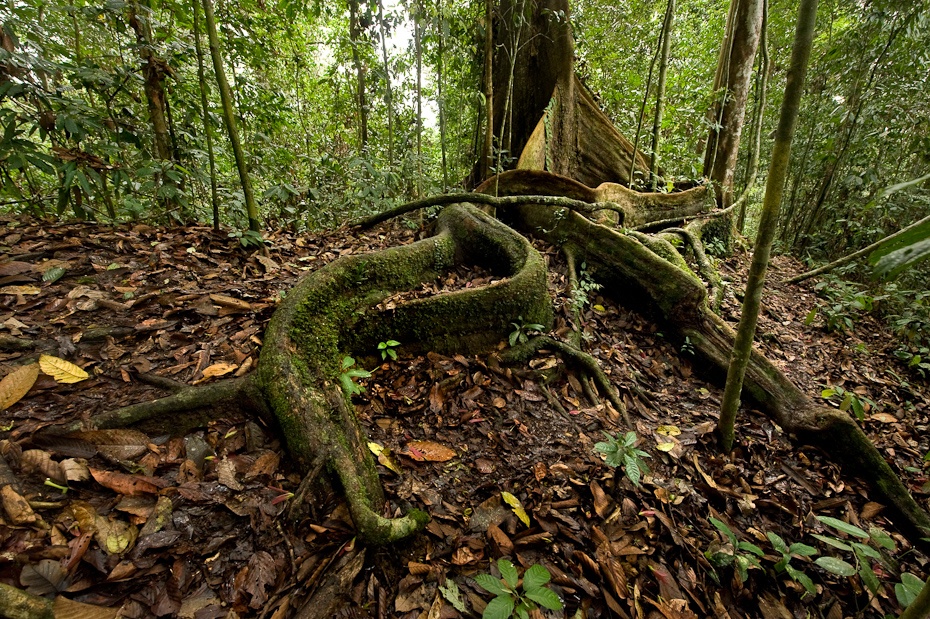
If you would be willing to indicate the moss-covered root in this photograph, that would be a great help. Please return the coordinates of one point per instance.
(705, 268)
(371, 527)
(588, 364)
(239, 390)
(17, 604)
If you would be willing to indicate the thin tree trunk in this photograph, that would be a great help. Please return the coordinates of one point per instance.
(487, 154)
(660, 92)
(752, 168)
(388, 98)
(738, 58)
(229, 116)
(355, 33)
(774, 190)
(642, 109)
(440, 103)
(417, 35)
(201, 77)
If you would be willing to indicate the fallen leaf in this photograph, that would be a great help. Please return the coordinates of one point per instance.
(41, 461)
(384, 457)
(23, 290)
(61, 370)
(428, 451)
(123, 483)
(884, 418)
(668, 430)
(117, 443)
(219, 369)
(16, 384)
(16, 507)
(517, 507)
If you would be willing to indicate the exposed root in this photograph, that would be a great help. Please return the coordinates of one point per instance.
(522, 352)
(575, 338)
(705, 268)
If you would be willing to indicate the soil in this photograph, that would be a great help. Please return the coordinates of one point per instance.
(165, 521)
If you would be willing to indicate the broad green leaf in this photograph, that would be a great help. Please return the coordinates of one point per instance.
(845, 527)
(751, 548)
(723, 528)
(864, 551)
(509, 572)
(836, 566)
(545, 598)
(869, 577)
(890, 266)
(632, 469)
(535, 577)
(832, 541)
(802, 578)
(883, 539)
(491, 584)
(803, 550)
(777, 542)
(500, 607)
(53, 274)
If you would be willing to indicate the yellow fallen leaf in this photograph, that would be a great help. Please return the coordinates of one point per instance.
(599, 307)
(517, 507)
(19, 290)
(668, 430)
(219, 369)
(384, 457)
(61, 370)
(665, 446)
(16, 384)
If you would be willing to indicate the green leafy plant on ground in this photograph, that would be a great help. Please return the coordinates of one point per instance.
(849, 400)
(521, 330)
(623, 452)
(729, 552)
(862, 552)
(509, 600)
(388, 349)
(581, 294)
(348, 376)
(787, 552)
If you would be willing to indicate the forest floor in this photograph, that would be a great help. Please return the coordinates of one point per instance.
(200, 523)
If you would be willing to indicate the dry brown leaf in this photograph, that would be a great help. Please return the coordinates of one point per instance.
(428, 451)
(231, 302)
(219, 369)
(115, 536)
(23, 290)
(17, 384)
(123, 483)
(41, 461)
(117, 443)
(14, 267)
(226, 474)
(16, 507)
(601, 501)
(884, 418)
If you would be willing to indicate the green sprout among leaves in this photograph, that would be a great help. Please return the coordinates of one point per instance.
(787, 553)
(388, 349)
(723, 554)
(861, 550)
(520, 330)
(849, 400)
(509, 601)
(348, 376)
(623, 452)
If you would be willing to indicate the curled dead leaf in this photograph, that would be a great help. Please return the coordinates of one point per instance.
(17, 384)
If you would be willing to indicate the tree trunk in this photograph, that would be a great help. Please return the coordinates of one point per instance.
(440, 102)
(752, 167)
(416, 37)
(774, 190)
(660, 93)
(205, 111)
(355, 33)
(487, 151)
(230, 118)
(734, 70)
(388, 98)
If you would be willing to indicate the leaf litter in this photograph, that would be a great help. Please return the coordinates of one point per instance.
(212, 521)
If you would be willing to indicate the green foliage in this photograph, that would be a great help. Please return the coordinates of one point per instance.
(622, 451)
(248, 238)
(908, 589)
(687, 346)
(510, 600)
(796, 549)
(348, 376)
(742, 555)
(849, 400)
(841, 303)
(521, 329)
(581, 293)
(861, 550)
(388, 349)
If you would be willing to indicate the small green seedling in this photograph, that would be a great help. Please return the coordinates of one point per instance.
(520, 330)
(728, 552)
(348, 376)
(861, 551)
(509, 601)
(388, 349)
(60, 488)
(848, 400)
(787, 553)
(623, 452)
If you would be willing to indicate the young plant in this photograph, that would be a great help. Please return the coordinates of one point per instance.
(348, 376)
(509, 601)
(623, 452)
(581, 294)
(861, 551)
(789, 552)
(520, 330)
(724, 554)
(848, 400)
(388, 349)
